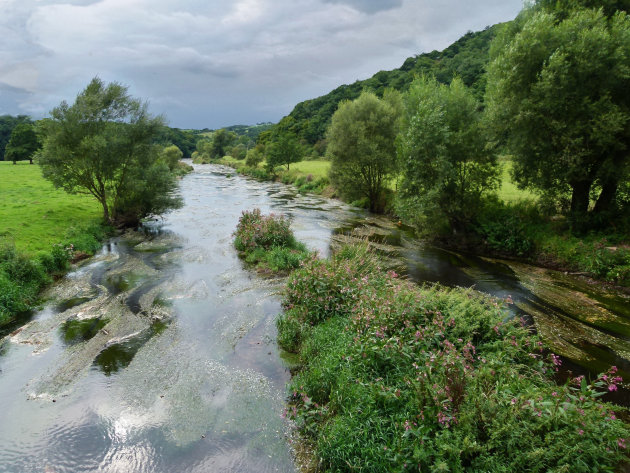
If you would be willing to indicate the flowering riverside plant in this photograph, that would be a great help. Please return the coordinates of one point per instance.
(268, 242)
(397, 377)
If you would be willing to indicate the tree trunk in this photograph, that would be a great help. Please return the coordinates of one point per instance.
(106, 216)
(607, 196)
(580, 198)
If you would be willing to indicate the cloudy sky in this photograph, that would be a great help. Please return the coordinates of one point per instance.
(212, 63)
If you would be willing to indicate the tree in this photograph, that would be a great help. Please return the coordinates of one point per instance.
(239, 151)
(446, 165)
(7, 124)
(361, 147)
(103, 145)
(255, 156)
(171, 155)
(221, 141)
(283, 150)
(23, 143)
(558, 99)
(561, 8)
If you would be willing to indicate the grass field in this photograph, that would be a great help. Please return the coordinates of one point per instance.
(35, 215)
(508, 191)
(317, 168)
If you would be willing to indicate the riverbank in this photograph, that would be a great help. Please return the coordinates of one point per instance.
(509, 228)
(449, 369)
(44, 230)
(396, 377)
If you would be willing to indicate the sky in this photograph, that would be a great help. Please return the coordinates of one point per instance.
(211, 63)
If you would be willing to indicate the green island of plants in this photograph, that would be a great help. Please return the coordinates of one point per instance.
(267, 242)
(397, 377)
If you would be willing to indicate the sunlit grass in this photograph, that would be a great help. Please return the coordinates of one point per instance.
(318, 168)
(35, 215)
(508, 191)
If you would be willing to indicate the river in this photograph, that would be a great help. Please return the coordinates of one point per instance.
(159, 354)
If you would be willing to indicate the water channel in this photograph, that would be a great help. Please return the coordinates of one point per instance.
(159, 354)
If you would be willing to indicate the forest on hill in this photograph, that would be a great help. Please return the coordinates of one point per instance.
(466, 58)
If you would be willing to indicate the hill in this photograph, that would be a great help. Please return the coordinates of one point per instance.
(466, 58)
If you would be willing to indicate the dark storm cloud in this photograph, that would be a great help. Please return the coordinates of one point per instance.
(214, 63)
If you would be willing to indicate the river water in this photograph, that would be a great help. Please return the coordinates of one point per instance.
(159, 354)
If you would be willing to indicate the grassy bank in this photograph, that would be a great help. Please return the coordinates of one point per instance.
(394, 377)
(43, 230)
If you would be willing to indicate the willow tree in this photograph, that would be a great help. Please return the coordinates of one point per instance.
(558, 98)
(103, 145)
(361, 146)
(446, 165)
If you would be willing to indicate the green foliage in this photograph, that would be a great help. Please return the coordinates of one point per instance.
(557, 98)
(309, 184)
(23, 143)
(283, 150)
(21, 279)
(222, 140)
(7, 124)
(507, 228)
(446, 165)
(254, 157)
(401, 378)
(185, 140)
(239, 151)
(361, 146)
(171, 156)
(267, 242)
(561, 8)
(255, 230)
(594, 255)
(103, 145)
(22, 276)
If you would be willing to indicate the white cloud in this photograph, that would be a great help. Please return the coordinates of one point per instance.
(214, 63)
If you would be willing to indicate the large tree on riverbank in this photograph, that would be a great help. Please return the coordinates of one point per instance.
(446, 165)
(103, 145)
(558, 96)
(361, 146)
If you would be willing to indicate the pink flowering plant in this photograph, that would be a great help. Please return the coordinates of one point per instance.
(267, 242)
(397, 377)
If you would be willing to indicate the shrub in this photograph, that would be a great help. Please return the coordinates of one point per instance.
(268, 242)
(504, 227)
(255, 230)
(401, 378)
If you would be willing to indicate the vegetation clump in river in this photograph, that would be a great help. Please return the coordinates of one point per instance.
(267, 242)
(396, 377)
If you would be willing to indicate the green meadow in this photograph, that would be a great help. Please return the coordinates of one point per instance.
(34, 215)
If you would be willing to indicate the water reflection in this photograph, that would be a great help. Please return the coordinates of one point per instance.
(185, 375)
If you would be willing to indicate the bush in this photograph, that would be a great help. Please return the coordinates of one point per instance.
(504, 227)
(255, 230)
(401, 378)
(268, 242)
(22, 277)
